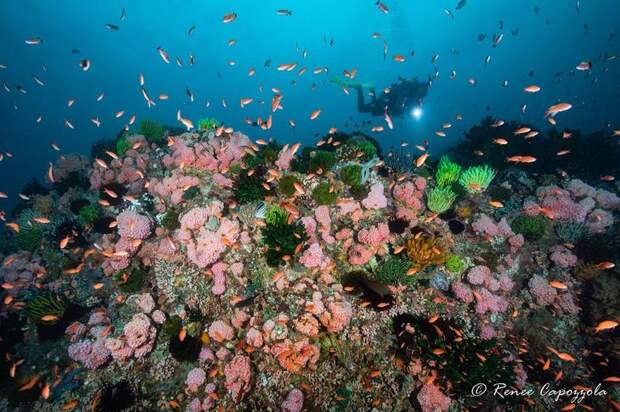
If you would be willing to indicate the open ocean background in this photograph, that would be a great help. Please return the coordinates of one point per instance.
(548, 46)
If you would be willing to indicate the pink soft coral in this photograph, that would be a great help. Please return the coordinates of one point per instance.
(314, 257)
(294, 401)
(238, 373)
(541, 290)
(432, 399)
(90, 354)
(375, 199)
(132, 225)
(221, 331)
(563, 257)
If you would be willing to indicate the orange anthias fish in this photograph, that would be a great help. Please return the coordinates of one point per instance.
(557, 108)
(605, 325)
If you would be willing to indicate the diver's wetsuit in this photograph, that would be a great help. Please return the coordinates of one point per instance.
(402, 95)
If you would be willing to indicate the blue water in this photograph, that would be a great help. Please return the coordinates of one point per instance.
(554, 40)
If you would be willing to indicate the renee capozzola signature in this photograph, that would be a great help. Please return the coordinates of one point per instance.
(503, 391)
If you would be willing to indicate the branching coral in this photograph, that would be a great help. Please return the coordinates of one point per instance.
(476, 179)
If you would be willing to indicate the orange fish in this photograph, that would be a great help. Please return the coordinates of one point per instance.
(557, 108)
(419, 162)
(532, 89)
(229, 17)
(315, 114)
(557, 284)
(605, 325)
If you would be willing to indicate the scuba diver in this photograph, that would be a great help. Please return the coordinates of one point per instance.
(395, 100)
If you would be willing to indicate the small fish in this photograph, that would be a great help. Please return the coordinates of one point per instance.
(113, 27)
(557, 108)
(584, 66)
(284, 12)
(500, 141)
(229, 18)
(85, 64)
(419, 162)
(558, 285)
(164, 56)
(605, 265)
(605, 325)
(315, 114)
(33, 41)
(532, 89)
(388, 120)
(382, 7)
(64, 242)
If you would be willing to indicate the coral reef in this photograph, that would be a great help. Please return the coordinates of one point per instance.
(212, 272)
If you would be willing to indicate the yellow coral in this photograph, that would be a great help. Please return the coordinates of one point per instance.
(43, 204)
(463, 212)
(425, 250)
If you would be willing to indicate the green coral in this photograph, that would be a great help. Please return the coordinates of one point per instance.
(286, 185)
(321, 160)
(131, 280)
(282, 239)
(276, 215)
(208, 124)
(462, 362)
(88, 214)
(122, 145)
(152, 131)
(30, 232)
(447, 172)
(45, 308)
(249, 188)
(323, 195)
(455, 264)
(170, 220)
(440, 199)
(268, 153)
(359, 192)
(531, 227)
(393, 271)
(351, 175)
(570, 230)
(191, 193)
(368, 149)
(476, 179)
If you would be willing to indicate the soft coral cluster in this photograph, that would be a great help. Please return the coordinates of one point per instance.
(216, 154)
(205, 245)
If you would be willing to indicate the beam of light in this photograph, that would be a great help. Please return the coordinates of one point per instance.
(416, 112)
